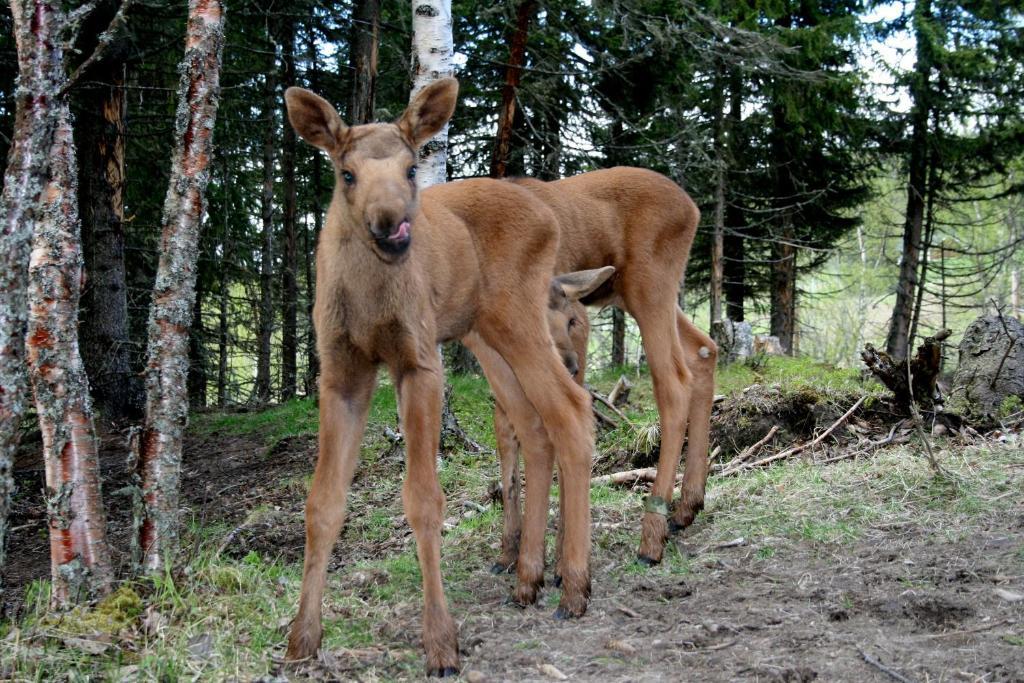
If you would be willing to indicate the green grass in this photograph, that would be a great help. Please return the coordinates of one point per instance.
(241, 607)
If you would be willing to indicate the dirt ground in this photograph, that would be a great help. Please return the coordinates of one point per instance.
(929, 597)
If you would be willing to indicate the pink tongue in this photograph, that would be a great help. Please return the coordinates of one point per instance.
(401, 232)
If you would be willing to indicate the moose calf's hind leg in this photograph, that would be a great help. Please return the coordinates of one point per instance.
(672, 380)
(420, 404)
(702, 359)
(508, 456)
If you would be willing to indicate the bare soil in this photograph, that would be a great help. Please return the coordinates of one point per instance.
(930, 604)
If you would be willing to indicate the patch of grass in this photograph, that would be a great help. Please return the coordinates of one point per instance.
(793, 373)
(298, 417)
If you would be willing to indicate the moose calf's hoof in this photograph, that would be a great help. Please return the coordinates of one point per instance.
(502, 568)
(684, 515)
(443, 672)
(647, 561)
(524, 595)
(303, 643)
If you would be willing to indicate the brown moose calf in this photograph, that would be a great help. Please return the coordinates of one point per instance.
(397, 274)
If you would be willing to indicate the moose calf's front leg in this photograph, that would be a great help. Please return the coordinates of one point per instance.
(344, 404)
(420, 403)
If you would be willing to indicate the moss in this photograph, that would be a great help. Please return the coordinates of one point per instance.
(1011, 405)
(111, 615)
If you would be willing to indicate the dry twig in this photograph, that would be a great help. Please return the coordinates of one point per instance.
(751, 450)
(629, 476)
(611, 406)
(796, 449)
(891, 673)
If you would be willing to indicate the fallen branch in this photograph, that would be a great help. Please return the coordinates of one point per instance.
(604, 418)
(612, 407)
(796, 449)
(620, 392)
(629, 476)
(751, 450)
(896, 676)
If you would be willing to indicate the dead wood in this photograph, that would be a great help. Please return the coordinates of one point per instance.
(923, 372)
(611, 406)
(629, 476)
(453, 436)
(795, 449)
(619, 395)
(751, 450)
(883, 668)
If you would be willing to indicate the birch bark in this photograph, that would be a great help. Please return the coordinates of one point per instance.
(41, 201)
(432, 58)
(170, 316)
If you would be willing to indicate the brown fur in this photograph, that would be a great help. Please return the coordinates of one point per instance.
(570, 330)
(643, 224)
(398, 273)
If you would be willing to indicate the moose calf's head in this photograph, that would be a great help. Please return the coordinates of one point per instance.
(567, 317)
(374, 164)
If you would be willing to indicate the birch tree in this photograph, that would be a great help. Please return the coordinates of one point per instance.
(174, 292)
(40, 197)
(23, 181)
(432, 58)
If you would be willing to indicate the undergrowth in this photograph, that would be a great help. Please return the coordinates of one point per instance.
(216, 616)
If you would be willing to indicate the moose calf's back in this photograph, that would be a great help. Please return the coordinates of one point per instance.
(611, 216)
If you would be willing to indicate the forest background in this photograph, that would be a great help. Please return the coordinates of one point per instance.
(859, 163)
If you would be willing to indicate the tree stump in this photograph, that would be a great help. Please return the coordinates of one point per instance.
(991, 370)
(920, 384)
(735, 340)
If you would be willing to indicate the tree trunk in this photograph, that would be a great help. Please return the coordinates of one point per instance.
(79, 555)
(783, 251)
(40, 204)
(227, 253)
(290, 265)
(262, 391)
(364, 40)
(718, 227)
(513, 71)
(1014, 291)
(106, 344)
(433, 51)
(898, 340)
(734, 273)
(313, 366)
(197, 355)
(173, 293)
(23, 181)
(734, 270)
(549, 147)
(618, 337)
(926, 243)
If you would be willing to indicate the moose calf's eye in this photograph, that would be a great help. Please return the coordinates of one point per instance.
(572, 322)
(348, 177)
(412, 173)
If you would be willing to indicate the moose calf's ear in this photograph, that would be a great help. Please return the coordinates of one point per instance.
(429, 111)
(314, 119)
(580, 283)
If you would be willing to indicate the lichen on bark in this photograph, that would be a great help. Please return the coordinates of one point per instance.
(170, 316)
(40, 294)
